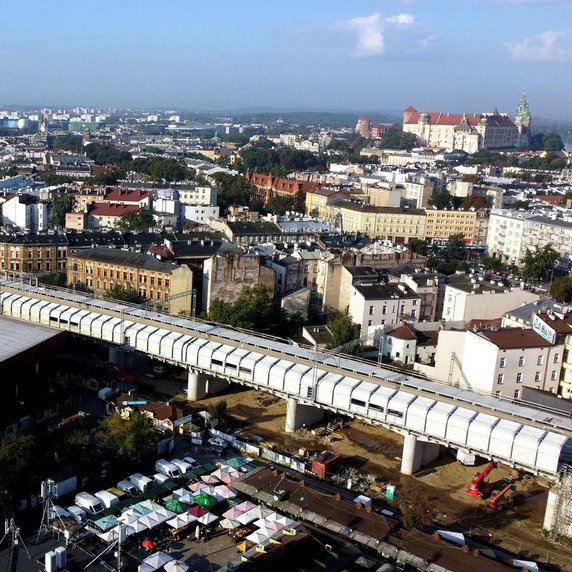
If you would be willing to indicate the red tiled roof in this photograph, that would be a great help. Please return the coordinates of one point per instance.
(513, 338)
(473, 119)
(105, 209)
(403, 333)
(129, 195)
(559, 325)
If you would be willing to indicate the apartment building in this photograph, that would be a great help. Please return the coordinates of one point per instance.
(100, 268)
(506, 231)
(25, 212)
(398, 225)
(373, 305)
(440, 225)
(33, 253)
(499, 362)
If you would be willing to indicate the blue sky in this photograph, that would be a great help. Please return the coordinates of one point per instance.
(366, 55)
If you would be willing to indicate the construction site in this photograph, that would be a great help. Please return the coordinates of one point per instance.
(493, 502)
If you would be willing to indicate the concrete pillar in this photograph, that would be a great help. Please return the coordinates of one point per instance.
(552, 503)
(196, 387)
(411, 456)
(298, 414)
(216, 385)
(116, 356)
(430, 452)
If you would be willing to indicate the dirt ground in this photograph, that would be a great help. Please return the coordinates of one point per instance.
(375, 452)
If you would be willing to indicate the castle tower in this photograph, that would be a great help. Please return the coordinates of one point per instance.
(522, 120)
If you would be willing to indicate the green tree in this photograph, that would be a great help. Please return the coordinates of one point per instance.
(218, 411)
(491, 263)
(441, 200)
(539, 265)
(61, 204)
(19, 470)
(253, 309)
(79, 450)
(53, 278)
(418, 246)
(52, 180)
(121, 292)
(398, 139)
(415, 506)
(344, 331)
(455, 249)
(129, 438)
(520, 205)
(279, 205)
(475, 202)
(141, 219)
(561, 289)
(552, 142)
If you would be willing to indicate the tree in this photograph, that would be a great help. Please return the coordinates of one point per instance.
(128, 438)
(475, 202)
(141, 219)
(455, 249)
(491, 263)
(218, 411)
(53, 179)
(415, 506)
(561, 289)
(520, 205)
(441, 200)
(253, 309)
(121, 292)
(552, 142)
(418, 246)
(53, 278)
(344, 331)
(539, 265)
(19, 470)
(61, 204)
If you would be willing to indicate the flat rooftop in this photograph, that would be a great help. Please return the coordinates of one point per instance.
(17, 337)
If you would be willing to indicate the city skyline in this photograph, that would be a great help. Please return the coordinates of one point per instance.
(379, 55)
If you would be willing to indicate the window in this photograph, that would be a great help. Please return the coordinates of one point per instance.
(500, 378)
(521, 361)
(519, 377)
(498, 394)
(370, 322)
(517, 394)
(537, 376)
(384, 310)
(556, 358)
(553, 375)
(371, 310)
(502, 362)
(540, 360)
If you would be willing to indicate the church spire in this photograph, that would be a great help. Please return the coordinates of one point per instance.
(522, 117)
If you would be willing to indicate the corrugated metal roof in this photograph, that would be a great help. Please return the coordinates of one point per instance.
(17, 337)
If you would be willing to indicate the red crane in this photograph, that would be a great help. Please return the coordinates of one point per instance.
(478, 486)
(498, 500)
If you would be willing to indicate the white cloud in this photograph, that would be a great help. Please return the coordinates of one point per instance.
(541, 47)
(370, 31)
(405, 19)
(370, 39)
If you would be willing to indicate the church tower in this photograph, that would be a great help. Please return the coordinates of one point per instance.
(522, 120)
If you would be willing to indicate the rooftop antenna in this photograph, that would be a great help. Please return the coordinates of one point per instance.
(12, 532)
(48, 492)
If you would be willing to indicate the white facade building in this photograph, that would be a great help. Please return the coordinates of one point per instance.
(506, 232)
(469, 299)
(374, 305)
(199, 195)
(26, 213)
(198, 213)
(498, 362)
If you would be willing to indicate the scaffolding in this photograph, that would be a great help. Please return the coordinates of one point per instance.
(563, 509)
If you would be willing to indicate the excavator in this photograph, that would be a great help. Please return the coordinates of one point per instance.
(479, 487)
(499, 500)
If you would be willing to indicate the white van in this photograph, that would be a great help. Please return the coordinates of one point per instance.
(183, 465)
(77, 514)
(159, 478)
(128, 487)
(140, 481)
(193, 462)
(107, 499)
(167, 468)
(88, 502)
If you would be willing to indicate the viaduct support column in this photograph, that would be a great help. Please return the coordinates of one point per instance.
(550, 513)
(412, 455)
(430, 452)
(196, 387)
(298, 414)
(116, 356)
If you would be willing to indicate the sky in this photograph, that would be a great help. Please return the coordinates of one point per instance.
(366, 56)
